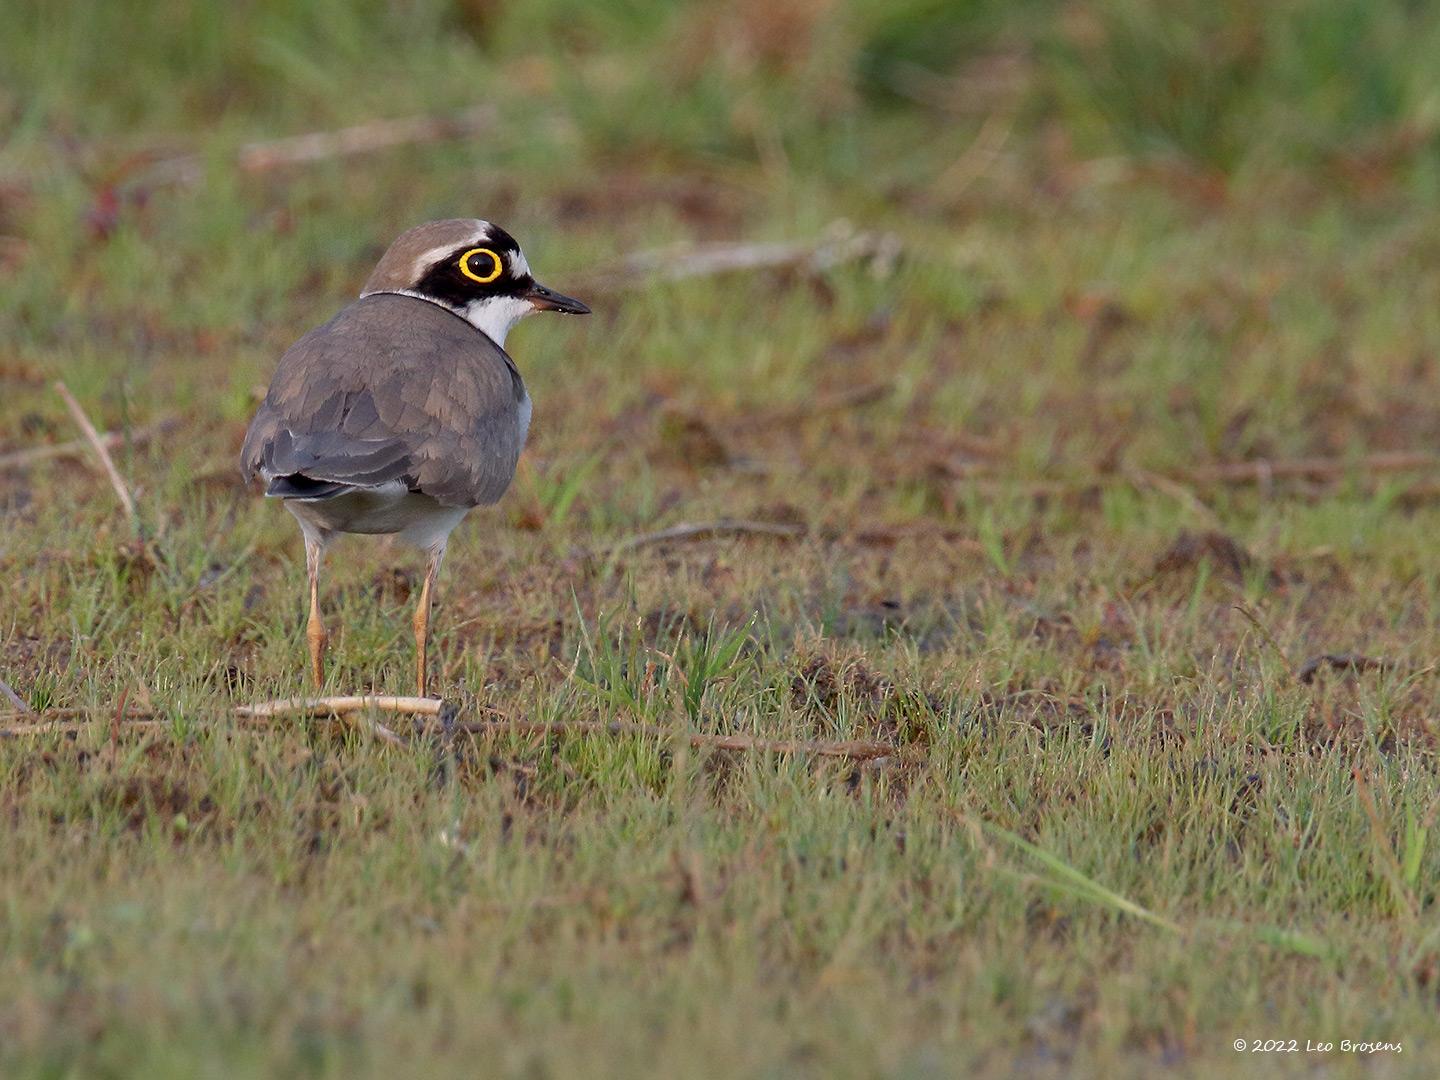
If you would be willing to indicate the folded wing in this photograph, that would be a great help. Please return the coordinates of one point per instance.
(393, 389)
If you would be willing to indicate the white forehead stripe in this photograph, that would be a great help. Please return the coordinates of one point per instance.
(427, 259)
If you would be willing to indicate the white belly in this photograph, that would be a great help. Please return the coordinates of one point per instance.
(389, 509)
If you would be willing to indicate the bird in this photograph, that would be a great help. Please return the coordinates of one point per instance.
(404, 412)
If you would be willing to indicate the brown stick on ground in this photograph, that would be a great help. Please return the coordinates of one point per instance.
(71, 727)
(1348, 662)
(698, 530)
(63, 722)
(22, 459)
(1216, 474)
(262, 157)
(705, 530)
(988, 477)
(72, 714)
(838, 245)
(292, 707)
(341, 706)
(93, 438)
(358, 706)
(856, 749)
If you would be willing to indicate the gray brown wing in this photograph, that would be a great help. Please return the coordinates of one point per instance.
(393, 388)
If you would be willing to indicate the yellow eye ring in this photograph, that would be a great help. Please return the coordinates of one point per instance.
(483, 279)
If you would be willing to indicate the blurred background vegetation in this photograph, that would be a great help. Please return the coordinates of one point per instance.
(1232, 87)
(1164, 158)
(767, 115)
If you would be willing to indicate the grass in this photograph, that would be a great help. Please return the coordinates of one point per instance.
(1118, 832)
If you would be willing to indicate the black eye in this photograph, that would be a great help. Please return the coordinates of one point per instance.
(481, 265)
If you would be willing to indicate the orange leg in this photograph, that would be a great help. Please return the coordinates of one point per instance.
(315, 629)
(422, 618)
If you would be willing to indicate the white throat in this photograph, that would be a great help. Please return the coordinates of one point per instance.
(493, 316)
(496, 315)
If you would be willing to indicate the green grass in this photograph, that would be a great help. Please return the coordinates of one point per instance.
(1117, 833)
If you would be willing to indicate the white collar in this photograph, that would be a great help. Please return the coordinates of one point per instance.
(493, 316)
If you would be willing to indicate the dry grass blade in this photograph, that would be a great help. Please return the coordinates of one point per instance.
(1254, 619)
(979, 157)
(1070, 880)
(1143, 479)
(97, 444)
(1384, 852)
(22, 459)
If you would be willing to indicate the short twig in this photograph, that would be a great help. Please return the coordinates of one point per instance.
(379, 730)
(14, 698)
(442, 731)
(23, 459)
(93, 438)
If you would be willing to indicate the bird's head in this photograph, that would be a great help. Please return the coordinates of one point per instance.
(474, 268)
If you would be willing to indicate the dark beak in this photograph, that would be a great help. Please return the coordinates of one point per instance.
(549, 300)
